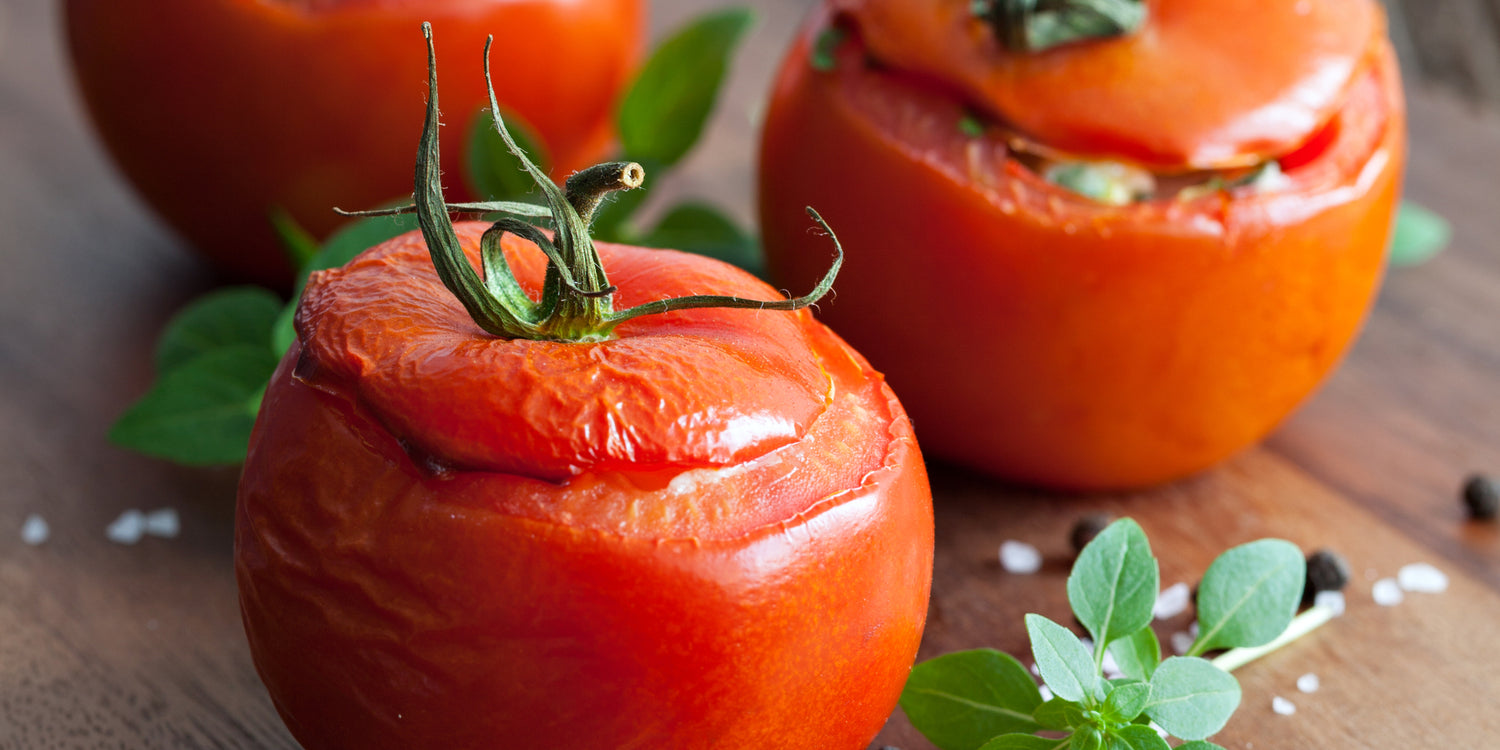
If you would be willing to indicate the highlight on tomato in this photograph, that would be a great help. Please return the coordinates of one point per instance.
(586, 496)
(1093, 245)
(223, 113)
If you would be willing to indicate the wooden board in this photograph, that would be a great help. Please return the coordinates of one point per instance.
(103, 645)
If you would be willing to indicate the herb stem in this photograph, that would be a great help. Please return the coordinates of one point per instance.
(1301, 625)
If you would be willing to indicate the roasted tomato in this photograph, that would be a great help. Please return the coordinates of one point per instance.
(223, 111)
(1106, 264)
(708, 528)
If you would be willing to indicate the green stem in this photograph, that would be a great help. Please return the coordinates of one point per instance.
(1036, 25)
(1301, 625)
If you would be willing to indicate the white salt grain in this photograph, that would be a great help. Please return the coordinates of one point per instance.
(1283, 706)
(1333, 600)
(1308, 683)
(1019, 557)
(1423, 578)
(1181, 642)
(35, 530)
(128, 528)
(1172, 601)
(163, 523)
(1046, 693)
(1387, 592)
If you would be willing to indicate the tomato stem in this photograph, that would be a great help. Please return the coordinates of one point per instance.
(1036, 25)
(576, 293)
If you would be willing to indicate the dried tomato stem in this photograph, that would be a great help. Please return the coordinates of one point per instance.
(1036, 25)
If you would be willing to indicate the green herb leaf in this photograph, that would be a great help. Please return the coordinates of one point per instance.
(1113, 584)
(1419, 234)
(296, 241)
(970, 126)
(1249, 595)
(1191, 698)
(825, 47)
(493, 171)
(1065, 663)
(1137, 654)
(1024, 742)
(1137, 737)
(200, 412)
(237, 316)
(1126, 700)
(1087, 738)
(702, 229)
(666, 107)
(1199, 745)
(961, 700)
(1058, 713)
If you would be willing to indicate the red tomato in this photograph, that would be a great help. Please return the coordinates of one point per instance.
(712, 531)
(220, 111)
(1054, 340)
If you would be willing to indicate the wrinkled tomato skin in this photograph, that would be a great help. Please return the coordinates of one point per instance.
(393, 604)
(221, 111)
(1052, 341)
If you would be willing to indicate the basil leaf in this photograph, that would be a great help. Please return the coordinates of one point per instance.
(200, 413)
(1249, 595)
(1137, 654)
(1191, 698)
(1113, 584)
(666, 107)
(1126, 700)
(825, 47)
(960, 700)
(296, 241)
(1058, 713)
(702, 229)
(1199, 745)
(1418, 235)
(237, 316)
(494, 172)
(1137, 737)
(1065, 663)
(1024, 742)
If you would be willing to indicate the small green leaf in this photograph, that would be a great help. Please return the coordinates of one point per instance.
(201, 412)
(1113, 584)
(1137, 654)
(825, 47)
(1065, 663)
(971, 126)
(237, 316)
(1249, 595)
(1191, 698)
(1126, 700)
(1024, 742)
(296, 241)
(1199, 745)
(1419, 234)
(666, 107)
(960, 700)
(1088, 738)
(702, 229)
(1137, 737)
(1058, 713)
(493, 171)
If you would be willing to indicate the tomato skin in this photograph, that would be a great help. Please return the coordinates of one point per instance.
(219, 111)
(1052, 341)
(390, 604)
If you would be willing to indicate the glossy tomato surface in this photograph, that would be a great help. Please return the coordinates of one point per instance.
(222, 111)
(713, 531)
(1043, 337)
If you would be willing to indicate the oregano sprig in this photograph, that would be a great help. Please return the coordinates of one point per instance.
(986, 700)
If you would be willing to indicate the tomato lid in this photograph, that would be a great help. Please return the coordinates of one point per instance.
(1201, 85)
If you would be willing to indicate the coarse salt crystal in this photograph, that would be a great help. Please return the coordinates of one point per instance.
(1387, 592)
(35, 530)
(1333, 600)
(1283, 706)
(128, 528)
(163, 523)
(1308, 683)
(1019, 557)
(1423, 578)
(1181, 642)
(1046, 693)
(1172, 601)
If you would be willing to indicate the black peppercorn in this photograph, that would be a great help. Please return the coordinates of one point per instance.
(1089, 527)
(1326, 571)
(1482, 497)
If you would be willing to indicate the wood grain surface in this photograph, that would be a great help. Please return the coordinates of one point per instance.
(111, 646)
